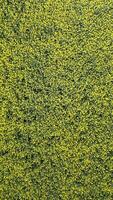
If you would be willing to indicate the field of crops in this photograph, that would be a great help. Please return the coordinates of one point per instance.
(56, 99)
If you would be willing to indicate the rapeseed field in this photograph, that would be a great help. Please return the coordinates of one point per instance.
(56, 97)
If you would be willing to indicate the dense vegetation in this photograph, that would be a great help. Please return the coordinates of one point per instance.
(56, 66)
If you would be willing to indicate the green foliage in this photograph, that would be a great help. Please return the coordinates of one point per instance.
(56, 66)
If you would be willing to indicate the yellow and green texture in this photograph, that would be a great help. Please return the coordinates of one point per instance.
(56, 99)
